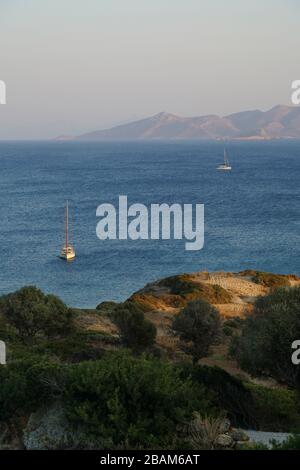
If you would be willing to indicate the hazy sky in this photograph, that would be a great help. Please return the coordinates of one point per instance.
(73, 66)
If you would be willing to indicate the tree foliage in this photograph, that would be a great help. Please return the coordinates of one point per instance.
(229, 394)
(28, 384)
(139, 401)
(198, 326)
(136, 332)
(30, 312)
(264, 346)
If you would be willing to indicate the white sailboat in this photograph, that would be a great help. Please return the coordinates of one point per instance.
(67, 253)
(225, 166)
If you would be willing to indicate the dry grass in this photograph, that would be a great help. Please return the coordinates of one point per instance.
(205, 430)
(90, 321)
(266, 279)
(163, 299)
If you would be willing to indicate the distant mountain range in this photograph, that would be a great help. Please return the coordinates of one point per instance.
(280, 122)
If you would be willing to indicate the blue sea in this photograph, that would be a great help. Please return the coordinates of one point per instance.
(252, 214)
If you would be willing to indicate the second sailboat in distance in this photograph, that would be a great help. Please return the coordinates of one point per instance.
(67, 253)
(224, 166)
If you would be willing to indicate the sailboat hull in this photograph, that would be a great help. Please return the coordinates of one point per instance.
(68, 254)
(224, 168)
(67, 258)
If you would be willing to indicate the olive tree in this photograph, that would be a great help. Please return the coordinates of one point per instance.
(198, 326)
(32, 313)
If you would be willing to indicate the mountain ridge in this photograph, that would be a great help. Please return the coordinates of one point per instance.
(279, 122)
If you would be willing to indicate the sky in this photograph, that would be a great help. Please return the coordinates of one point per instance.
(73, 66)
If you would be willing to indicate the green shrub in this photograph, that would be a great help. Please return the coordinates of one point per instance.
(77, 347)
(291, 443)
(267, 279)
(275, 409)
(106, 307)
(136, 332)
(198, 326)
(179, 285)
(27, 384)
(234, 345)
(189, 289)
(231, 327)
(227, 330)
(227, 393)
(139, 401)
(270, 280)
(32, 313)
(235, 322)
(252, 446)
(264, 346)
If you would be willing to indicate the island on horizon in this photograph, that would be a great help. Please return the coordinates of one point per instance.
(280, 122)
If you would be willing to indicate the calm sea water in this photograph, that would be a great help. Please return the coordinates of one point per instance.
(252, 214)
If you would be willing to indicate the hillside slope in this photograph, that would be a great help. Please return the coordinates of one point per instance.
(233, 294)
(277, 123)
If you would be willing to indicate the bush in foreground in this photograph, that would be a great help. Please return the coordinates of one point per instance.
(127, 402)
(119, 401)
(27, 384)
(138, 401)
(264, 346)
(227, 393)
(275, 409)
(291, 443)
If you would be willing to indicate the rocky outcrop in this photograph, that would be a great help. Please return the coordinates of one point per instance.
(9, 438)
(49, 429)
(213, 433)
(174, 292)
(233, 294)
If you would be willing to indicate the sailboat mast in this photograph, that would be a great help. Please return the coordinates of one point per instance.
(67, 223)
(226, 161)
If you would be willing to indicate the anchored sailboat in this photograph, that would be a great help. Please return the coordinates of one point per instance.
(67, 253)
(225, 165)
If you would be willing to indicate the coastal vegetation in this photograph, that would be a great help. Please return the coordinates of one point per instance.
(267, 279)
(125, 377)
(263, 346)
(275, 408)
(135, 332)
(198, 326)
(129, 401)
(30, 313)
(185, 286)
